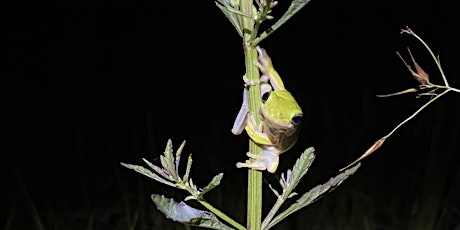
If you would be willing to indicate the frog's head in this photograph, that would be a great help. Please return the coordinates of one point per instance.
(280, 111)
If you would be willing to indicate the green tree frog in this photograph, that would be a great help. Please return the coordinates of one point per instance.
(280, 117)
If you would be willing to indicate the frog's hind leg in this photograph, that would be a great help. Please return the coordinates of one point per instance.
(241, 119)
(257, 163)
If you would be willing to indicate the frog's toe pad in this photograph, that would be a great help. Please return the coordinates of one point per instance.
(257, 165)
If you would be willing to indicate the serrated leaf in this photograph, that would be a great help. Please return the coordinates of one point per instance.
(299, 170)
(169, 147)
(295, 6)
(168, 160)
(291, 180)
(314, 194)
(232, 16)
(148, 173)
(178, 155)
(214, 183)
(293, 177)
(183, 213)
(164, 163)
(319, 190)
(302, 164)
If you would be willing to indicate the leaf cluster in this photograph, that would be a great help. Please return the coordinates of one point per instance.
(261, 12)
(169, 172)
(181, 212)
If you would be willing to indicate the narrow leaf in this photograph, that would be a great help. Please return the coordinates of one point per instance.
(295, 6)
(411, 90)
(164, 163)
(157, 169)
(168, 160)
(232, 16)
(274, 190)
(214, 183)
(178, 155)
(169, 147)
(148, 173)
(187, 170)
(183, 213)
(368, 152)
(293, 194)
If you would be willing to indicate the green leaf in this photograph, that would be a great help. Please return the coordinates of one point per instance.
(148, 173)
(289, 181)
(178, 155)
(214, 183)
(313, 195)
(292, 178)
(187, 170)
(183, 213)
(231, 14)
(274, 190)
(301, 167)
(168, 160)
(158, 170)
(295, 6)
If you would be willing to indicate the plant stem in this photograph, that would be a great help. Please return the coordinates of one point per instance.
(438, 64)
(254, 176)
(254, 208)
(273, 211)
(446, 84)
(221, 214)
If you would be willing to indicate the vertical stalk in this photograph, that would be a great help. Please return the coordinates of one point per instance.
(254, 208)
(254, 176)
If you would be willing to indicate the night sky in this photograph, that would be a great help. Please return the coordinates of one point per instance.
(87, 86)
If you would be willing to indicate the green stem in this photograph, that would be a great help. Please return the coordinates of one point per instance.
(254, 208)
(260, 18)
(272, 212)
(221, 214)
(254, 177)
(438, 64)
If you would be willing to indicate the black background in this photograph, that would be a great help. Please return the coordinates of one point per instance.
(86, 86)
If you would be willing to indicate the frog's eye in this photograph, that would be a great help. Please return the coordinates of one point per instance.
(296, 120)
(265, 97)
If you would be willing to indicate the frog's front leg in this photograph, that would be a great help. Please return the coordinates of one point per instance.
(241, 118)
(255, 131)
(264, 79)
